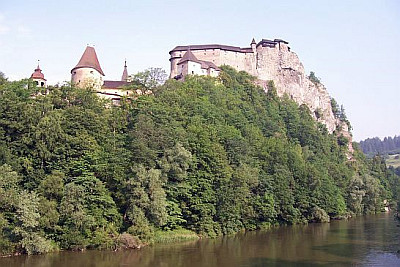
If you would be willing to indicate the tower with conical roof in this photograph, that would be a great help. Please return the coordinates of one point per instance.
(88, 73)
(38, 77)
(124, 77)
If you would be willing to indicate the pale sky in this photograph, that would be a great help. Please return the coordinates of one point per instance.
(353, 46)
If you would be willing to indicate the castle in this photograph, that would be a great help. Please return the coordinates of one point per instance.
(88, 73)
(266, 60)
(257, 60)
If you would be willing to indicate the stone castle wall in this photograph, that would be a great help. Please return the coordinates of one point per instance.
(87, 77)
(238, 60)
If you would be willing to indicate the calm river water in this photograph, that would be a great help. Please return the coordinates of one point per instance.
(365, 241)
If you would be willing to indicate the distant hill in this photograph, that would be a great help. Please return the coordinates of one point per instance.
(388, 145)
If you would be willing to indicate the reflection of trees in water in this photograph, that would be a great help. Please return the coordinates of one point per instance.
(366, 240)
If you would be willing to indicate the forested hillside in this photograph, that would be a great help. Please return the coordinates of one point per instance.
(374, 146)
(213, 156)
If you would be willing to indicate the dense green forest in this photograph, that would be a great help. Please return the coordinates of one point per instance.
(374, 146)
(210, 156)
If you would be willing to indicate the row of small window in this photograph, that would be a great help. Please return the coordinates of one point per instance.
(91, 72)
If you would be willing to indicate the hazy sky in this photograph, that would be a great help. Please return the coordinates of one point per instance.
(353, 46)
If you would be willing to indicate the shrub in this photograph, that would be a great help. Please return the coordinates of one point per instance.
(319, 215)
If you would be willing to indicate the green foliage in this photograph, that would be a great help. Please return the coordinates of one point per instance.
(314, 79)
(150, 78)
(176, 235)
(320, 215)
(206, 156)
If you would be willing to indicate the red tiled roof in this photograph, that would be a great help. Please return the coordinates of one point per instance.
(89, 60)
(38, 74)
(114, 84)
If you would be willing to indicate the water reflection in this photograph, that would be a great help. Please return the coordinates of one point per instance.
(364, 241)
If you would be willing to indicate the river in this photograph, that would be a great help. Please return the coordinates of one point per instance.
(364, 241)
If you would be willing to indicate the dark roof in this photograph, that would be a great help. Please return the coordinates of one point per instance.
(38, 74)
(188, 56)
(247, 50)
(114, 84)
(211, 46)
(281, 41)
(271, 42)
(208, 64)
(227, 47)
(89, 60)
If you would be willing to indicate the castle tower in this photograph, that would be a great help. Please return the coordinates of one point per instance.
(38, 77)
(124, 77)
(88, 73)
(253, 45)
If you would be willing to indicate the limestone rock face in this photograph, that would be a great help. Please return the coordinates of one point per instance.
(285, 69)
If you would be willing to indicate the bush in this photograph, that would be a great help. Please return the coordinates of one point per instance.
(35, 244)
(128, 241)
(319, 215)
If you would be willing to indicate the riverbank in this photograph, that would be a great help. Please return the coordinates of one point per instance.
(177, 235)
(363, 241)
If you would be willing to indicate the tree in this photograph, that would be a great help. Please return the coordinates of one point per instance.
(31, 240)
(3, 78)
(314, 79)
(150, 78)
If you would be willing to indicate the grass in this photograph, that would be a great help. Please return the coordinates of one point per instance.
(176, 235)
(393, 160)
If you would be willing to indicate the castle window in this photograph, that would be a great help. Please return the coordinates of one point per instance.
(42, 84)
(192, 72)
(36, 82)
(91, 72)
(74, 72)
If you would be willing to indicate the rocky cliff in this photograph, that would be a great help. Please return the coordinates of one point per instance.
(286, 70)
